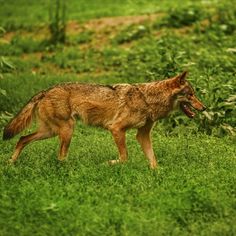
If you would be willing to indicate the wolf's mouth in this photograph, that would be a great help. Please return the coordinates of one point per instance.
(186, 109)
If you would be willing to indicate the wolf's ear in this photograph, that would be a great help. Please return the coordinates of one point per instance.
(181, 77)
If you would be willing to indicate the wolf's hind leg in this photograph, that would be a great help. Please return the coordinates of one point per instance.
(143, 137)
(65, 135)
(119, 138)
(25, 140)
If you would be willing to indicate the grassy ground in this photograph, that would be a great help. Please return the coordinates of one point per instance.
(193, 191)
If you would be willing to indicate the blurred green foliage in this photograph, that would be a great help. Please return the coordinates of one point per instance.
(57, 18)
(183, 16)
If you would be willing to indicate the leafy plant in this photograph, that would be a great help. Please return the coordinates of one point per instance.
(182, 16)
(2, 31)
(57, 19)
(219, 118)
(5, 65)
(19, 45)
(5, 117)
(84, 37)
(132, 32)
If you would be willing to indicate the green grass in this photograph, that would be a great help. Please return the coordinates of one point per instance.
(193, 190)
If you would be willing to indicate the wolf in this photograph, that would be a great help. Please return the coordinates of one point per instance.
(117, 108)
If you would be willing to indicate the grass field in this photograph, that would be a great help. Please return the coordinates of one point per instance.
(193, 191)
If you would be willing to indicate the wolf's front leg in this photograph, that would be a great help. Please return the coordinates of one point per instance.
(119, 137)
(144, 138)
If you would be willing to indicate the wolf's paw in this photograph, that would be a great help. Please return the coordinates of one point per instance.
(61, 159)
(153, 164)
(153, 167)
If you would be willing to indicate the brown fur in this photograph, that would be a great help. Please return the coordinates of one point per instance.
(116, 108)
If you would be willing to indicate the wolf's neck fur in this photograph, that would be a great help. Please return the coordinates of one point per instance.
(160, 98)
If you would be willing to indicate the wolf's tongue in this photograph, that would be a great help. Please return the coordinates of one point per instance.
(185, 108)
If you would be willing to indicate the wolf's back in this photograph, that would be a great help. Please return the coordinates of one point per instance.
(23, 119)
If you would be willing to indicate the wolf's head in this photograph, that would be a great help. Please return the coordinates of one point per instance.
(185, 96)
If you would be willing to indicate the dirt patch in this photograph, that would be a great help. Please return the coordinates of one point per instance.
(31, 56)
(40, 33)
(106, 23)
(112, 22)
(8, 36)
(106, 28)
(96, 25)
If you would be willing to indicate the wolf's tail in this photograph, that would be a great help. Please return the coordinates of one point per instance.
(23, 119)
